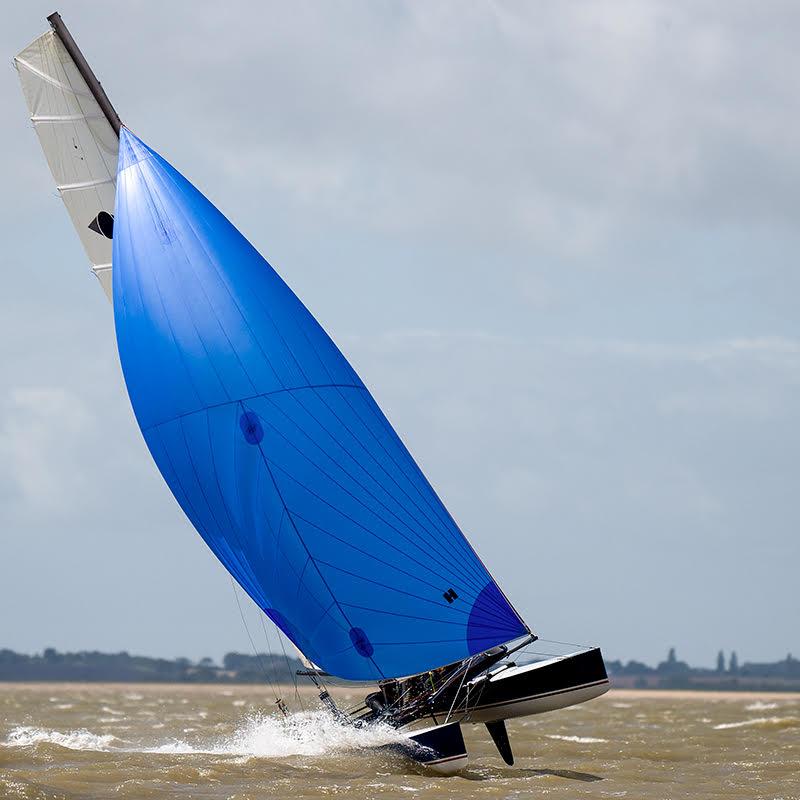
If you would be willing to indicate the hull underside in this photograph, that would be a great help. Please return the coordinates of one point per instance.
(439, 748)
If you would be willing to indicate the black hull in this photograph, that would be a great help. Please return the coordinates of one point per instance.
(518, 691)
(440, 748)
(502, 692)
(537, 688)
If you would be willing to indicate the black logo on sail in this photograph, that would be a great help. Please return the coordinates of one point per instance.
(103, 224)
(450, 595)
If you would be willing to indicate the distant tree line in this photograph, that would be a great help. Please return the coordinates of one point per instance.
(675, 674)
(51, 665)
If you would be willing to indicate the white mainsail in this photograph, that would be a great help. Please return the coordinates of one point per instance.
(78, 141)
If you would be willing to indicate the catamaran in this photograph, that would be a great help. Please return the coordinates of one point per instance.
(277, 452)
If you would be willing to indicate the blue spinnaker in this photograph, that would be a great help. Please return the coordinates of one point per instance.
(277, 452)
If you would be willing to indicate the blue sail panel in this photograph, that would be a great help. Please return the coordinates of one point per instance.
(276, 451)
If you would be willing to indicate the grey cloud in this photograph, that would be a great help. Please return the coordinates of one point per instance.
(556, 240)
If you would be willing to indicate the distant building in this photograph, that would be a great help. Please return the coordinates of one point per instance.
(733, 664)
(779, 676)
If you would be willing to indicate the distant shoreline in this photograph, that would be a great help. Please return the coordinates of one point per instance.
(289, 689)
(268, 668)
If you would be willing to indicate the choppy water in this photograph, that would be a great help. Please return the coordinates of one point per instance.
(122, 741)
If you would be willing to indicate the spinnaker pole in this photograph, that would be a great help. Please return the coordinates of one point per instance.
(85, 70)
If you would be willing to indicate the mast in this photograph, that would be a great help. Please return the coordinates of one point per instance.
(85, 70)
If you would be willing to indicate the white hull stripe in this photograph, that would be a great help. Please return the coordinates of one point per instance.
(538, 696)
(444, 760)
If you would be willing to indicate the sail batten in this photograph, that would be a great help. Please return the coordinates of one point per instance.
(277, 452)
(71, 187)
(49, 79)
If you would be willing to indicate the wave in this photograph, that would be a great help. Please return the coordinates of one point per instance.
(578, 739)
(28, 736)
(761, 722)
(313, 733)
(759, 706)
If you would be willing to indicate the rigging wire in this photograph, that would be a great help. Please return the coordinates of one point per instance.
(566, 644)
(285, 656)
(458, 691)
(278, 699)
(289, 668)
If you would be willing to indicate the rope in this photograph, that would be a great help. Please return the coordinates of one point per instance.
(566, 644)
(458, 691)
(289, 669)
(278, 700)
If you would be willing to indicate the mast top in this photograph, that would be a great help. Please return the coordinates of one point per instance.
(61, 30)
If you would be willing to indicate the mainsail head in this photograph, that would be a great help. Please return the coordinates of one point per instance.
(277, 452)
(79, 143)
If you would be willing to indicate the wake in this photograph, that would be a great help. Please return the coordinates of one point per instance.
(309, 733)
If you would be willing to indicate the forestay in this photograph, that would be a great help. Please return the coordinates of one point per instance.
(277, 452)
(80, 145)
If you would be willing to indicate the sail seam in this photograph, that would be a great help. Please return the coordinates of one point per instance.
(303, 543)
(465, 542)
(249, 398)
(157, 289)
(374, 557)
(222, 277)
(212, 263)
(178, 249)
(459, 568)
(331, 506)
(454, 567)
(397, 591)
(484, 615)
(455, 536)
(450, 526)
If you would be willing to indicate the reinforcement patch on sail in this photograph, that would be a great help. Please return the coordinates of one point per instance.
(277, 452)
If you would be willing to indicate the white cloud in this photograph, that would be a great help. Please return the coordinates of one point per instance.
(559, 125)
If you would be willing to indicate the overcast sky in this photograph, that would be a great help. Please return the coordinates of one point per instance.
(557, 240)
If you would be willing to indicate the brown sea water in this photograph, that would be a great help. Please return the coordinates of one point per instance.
(159, 741)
